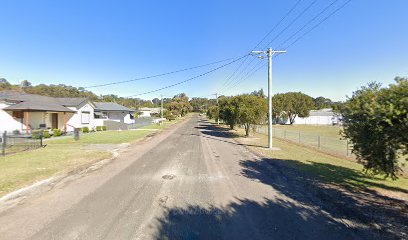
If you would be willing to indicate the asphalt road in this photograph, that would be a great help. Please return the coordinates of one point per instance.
(191, 182)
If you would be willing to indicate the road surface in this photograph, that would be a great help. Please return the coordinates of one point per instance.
(190, 182)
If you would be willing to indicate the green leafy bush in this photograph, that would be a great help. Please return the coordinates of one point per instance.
(104, 128)
(16, 132)
(46, 134)
(98, 128)
(85, 130)
(57, 132)
(36, 134)
(168, 115)
(375, 121)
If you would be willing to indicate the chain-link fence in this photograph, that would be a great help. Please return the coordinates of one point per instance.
(328, 144)
(13, 143)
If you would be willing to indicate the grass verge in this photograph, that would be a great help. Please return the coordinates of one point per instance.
(322, 130)
(327, 168)
(65, 154)
(24, 168)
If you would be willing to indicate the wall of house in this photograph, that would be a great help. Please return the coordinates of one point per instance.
(35, 119)
(145, 113)
(76, 120)
(7, 122)
(128, 120)
(314, 120)
(117, 116)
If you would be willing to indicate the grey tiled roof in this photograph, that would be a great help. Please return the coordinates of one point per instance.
(33, 102)
(38, 106)
(110, 106)
(322, 112)
(70, 102)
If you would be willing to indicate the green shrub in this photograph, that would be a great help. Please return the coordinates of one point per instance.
(169, 116)
(36, 134)
(46, 134)
(104, 128)
(85, 130)
(57, 132)
(98, 128)
(16, 132)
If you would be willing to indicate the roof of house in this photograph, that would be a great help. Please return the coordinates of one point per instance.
(152, 110)
(33, 102)
(110, 106)
(71, 102)
(322, 112)
(38, 106)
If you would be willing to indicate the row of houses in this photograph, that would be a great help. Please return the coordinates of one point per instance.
(26, 112)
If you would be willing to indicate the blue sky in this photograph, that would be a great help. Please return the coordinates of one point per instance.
(84, 43)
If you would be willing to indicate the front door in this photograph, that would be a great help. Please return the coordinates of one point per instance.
(54, 120)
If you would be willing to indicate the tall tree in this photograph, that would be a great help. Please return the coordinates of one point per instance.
(322, 102)
(156, 102)
(278, 109)
(297, 104)
(376, 121)
(228, 108)
(252, 110)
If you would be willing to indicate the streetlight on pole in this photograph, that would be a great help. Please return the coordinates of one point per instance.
(269, 54)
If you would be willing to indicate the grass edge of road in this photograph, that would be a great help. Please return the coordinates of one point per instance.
(63, 156)
(327, 168)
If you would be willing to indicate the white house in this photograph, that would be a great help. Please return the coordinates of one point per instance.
(148, 112)
(25, 112)
(319, 117)
(108, 111)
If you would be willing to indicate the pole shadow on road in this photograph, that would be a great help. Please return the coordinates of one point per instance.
(385, 217)
(313, 211)
(216, 133)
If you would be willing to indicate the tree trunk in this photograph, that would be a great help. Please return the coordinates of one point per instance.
(292, 118)
(247, 129)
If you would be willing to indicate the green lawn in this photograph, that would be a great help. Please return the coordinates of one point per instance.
(329, 169)
(323, 130)
(24, 168)
(104, 137)
(64, 154)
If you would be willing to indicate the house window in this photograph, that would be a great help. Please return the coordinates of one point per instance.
(18, 114)
(100, 115)
(85, 117)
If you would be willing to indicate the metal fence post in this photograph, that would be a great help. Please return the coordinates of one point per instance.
(76, 134)
(3, 143)
(318, 141)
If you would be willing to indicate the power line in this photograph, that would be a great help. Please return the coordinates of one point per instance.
(318, 24)
(278, 23)
(310, 21)
(187, 80)
(292, 22)
(294, 42)
(227, 82)
(250, 73)
(279, 34)
(157, 75)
